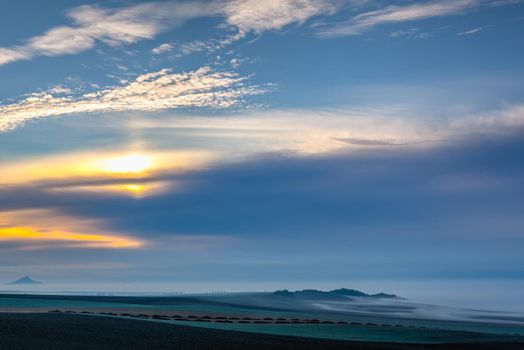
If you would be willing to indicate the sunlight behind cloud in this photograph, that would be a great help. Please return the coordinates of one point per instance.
(127, 164)
(104, 167)
(45, 229)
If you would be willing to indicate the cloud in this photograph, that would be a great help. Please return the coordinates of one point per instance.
(148, 92)
(131, 174)
(150, 169)
(58, 90)
(396, 14)
(195, 46)
(188, 48)
(260, 16)
(471, 31)
(381, 210)
(404, 196)
(93, 24)
(413, 33)
(317, 131)
(209, 46)
(46, 228)
(163, 48)
(138, 170)
(16, 54)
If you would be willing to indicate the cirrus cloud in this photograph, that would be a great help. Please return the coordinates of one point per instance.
(396, 14)
(93, 24)
(260, 16)
(153, 91)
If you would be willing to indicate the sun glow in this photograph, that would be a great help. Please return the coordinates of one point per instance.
(127, 164)
(111, 166)
(134, 188)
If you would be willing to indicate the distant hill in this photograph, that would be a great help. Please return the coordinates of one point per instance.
(341, 293)
(24, 280)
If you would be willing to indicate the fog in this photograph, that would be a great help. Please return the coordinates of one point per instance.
(501, 295)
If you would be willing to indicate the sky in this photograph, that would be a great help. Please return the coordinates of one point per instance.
(255, 145)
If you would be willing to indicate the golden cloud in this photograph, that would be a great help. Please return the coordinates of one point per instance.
(44, 229)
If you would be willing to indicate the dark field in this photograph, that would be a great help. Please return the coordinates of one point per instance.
(65, 331)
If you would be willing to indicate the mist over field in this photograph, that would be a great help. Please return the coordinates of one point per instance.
(504, 295)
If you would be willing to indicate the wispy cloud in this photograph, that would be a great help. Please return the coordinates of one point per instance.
(414, 33)
(15, 54)
(31, 229)
(166, 47)
(208, 46)
(259, 16)
(317, 131)
(93, 24)
(395, 14)
(126, 25)
(194, 46)
(188, 48)
(471, 31)
(148, 92)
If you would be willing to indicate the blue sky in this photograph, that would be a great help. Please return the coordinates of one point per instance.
(238, 142)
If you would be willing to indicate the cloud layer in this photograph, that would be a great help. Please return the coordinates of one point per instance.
(374, 213)
(260, 16)
(397, 13)
(148, 92)
(127, 25)
(48, 229)
(93, 24)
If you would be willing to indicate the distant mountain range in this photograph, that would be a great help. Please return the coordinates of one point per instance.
(24, 280)
(336, 293)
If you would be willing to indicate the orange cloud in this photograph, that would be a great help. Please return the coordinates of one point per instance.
(39, 229)
(31, 237)
(134, 189)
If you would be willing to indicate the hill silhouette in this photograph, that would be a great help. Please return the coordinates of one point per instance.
(24, 281)
(336, 293)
